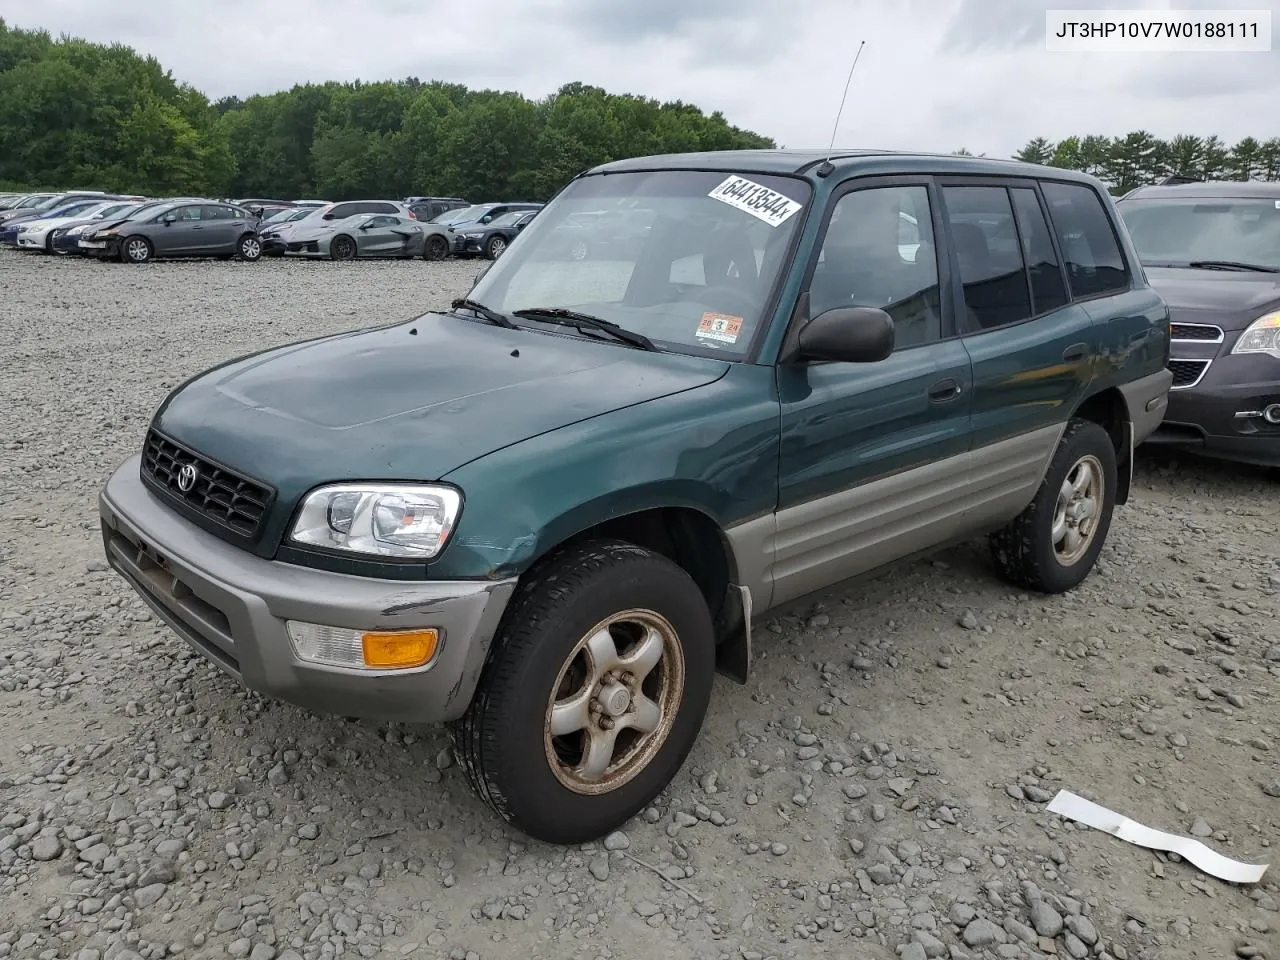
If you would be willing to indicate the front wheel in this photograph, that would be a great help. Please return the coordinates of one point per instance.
(593, 695)
(249, 248)
(1054, 543)
(136, 250)
(342, 247)
(495, 248)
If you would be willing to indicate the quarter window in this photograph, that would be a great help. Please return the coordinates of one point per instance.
(985, 236)
(879, 251)
(1095, 264)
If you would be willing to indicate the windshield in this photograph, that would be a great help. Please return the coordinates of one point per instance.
(114, 210)
(80, 206)
(464, 215)
(1177, 231)
(279, 215)
(508, 219)
(685, 258)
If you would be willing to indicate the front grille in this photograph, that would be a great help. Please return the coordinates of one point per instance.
(1187, 373)
(223, 496)
(1201, 332)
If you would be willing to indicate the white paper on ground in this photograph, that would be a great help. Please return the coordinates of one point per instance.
(1068, 805)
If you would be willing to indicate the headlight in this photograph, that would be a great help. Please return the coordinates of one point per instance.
(473, 235)
(75, 231)
(1263, 336)
(405, 521)
(23, 229)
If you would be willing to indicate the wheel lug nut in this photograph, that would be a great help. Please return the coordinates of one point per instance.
(606, 723)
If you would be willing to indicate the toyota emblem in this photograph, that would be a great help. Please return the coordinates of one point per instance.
(187, 477)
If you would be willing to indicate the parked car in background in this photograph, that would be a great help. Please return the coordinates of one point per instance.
(428, 208)
(311, 203)
(602, 234)
(38, 234)
(273, 230)
(558, 507)
(40, 203)
(23, 204)
(1212, 250)
(476, 216)
(368, 235)
(65, 237)
(11, 230)
(204, 229)
(86, 246)
(492, 239)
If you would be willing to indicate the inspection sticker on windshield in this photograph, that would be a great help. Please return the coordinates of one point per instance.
(724, 327)
(758, 200)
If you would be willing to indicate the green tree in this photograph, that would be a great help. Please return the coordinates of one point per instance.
(1038, 150)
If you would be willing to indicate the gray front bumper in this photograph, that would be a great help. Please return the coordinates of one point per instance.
(231, 606)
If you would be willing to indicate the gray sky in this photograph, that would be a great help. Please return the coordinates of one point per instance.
(935, 74)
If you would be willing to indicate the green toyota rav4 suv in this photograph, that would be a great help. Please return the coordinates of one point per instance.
(548, 514)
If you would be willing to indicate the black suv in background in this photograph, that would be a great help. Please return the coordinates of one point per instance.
(1212, 250)
(428, 208)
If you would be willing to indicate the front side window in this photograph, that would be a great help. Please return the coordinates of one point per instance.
(1095, 265)
(1177, 231)
(989, 252)
(695, 275)
(879, 252)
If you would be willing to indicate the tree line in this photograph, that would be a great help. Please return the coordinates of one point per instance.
(84, 115)
(1140, 158)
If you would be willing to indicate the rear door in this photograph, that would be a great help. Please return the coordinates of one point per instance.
(1033, 350)
(874, 456)
(221, 228)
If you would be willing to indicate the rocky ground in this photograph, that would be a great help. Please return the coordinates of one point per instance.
(877, 791)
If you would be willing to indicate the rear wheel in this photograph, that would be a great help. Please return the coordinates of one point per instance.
(249, 248)
(593, 695)
(1054, 543)
(136, 250)
(342, 247)
(495, 248)
(436, 248)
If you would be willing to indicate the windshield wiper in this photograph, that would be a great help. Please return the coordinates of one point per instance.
(584, 321)
(493, 316)
(1232, 265)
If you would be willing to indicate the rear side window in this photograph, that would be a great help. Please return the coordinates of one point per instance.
(1048, 291)
(1095, 265)
(341, 211)
(985, 236)
(375, 206)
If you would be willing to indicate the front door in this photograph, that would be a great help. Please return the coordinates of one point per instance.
(182, 234)
(1032, 349)
(874, 457)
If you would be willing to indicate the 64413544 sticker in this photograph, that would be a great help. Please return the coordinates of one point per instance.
(722, 327)
(756, 199)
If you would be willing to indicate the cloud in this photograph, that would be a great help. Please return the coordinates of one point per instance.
(935, 74)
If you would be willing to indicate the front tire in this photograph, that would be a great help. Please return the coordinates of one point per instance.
(1054, 543)
(249, 248)
(136, 249)
(342, 247)
(593, 695)
(495, 247)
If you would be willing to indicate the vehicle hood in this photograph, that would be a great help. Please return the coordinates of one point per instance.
(413, 401)
(1228, 298)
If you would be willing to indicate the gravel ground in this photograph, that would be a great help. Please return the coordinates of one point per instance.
(877, 791)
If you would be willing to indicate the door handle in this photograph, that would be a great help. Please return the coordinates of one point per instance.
(1077, 351)
(944, 390)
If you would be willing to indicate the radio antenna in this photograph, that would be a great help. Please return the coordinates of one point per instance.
(825, 168)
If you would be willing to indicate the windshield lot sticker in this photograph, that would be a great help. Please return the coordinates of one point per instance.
(723, 327)
(758, 200)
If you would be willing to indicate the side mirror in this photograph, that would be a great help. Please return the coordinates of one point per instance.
(486, 218)
(169, 218)
(327, 216)
(848, 335)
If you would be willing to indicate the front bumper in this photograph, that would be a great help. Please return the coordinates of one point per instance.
(31, 241)
(305, 248)
(1203, 418)
(231, 607)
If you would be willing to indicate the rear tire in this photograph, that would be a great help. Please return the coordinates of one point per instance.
(436, 248)
(614, 641)
(1054, 543)
(136, 249)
